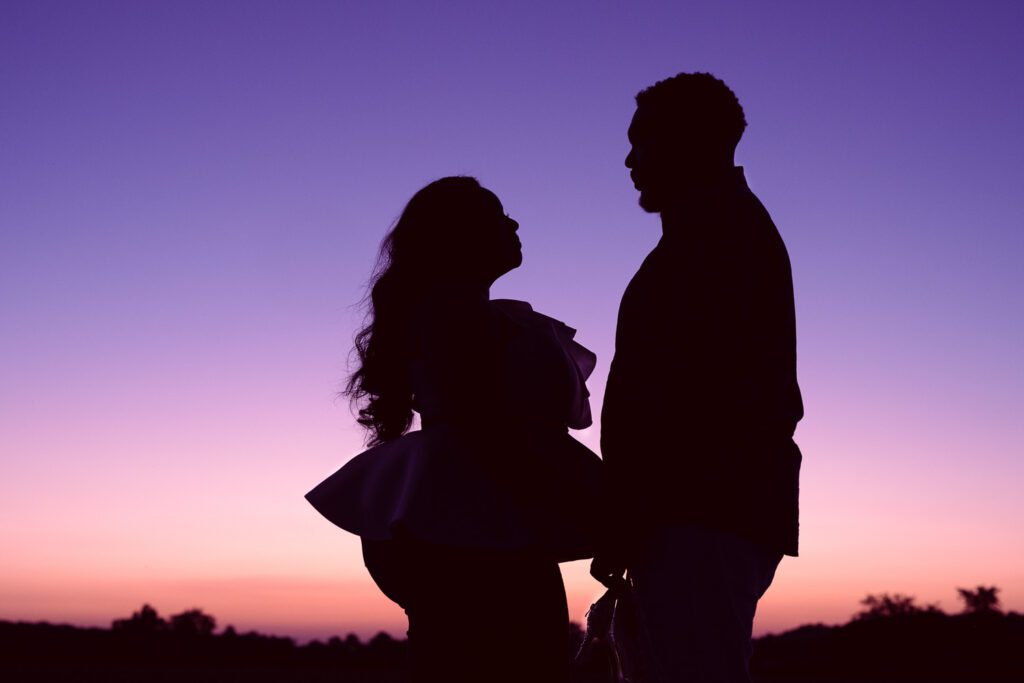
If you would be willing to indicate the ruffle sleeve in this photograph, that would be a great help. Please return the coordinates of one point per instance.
(577, 359)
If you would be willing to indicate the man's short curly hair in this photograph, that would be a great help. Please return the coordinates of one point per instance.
(695, 104)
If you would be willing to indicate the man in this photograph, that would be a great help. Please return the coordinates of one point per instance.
(702, 398)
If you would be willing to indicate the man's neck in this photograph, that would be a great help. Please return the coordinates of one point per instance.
(696, 201)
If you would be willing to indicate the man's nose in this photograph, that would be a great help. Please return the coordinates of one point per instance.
(630, 159)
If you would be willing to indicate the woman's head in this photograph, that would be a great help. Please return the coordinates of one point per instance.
(453, 232)
(452, 235)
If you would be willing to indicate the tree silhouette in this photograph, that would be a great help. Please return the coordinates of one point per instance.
(982, 600)
(193, 622)
(146, 620)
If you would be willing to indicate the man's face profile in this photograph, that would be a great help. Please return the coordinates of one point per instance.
(657, 165)
(666, 161)
(638, 161)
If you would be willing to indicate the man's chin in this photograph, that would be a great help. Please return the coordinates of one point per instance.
(648, 203)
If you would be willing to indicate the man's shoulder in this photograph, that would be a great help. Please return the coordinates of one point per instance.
(760, 235)
(750, 210)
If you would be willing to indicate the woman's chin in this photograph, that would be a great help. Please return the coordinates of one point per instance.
(513, 261)
(510, 265)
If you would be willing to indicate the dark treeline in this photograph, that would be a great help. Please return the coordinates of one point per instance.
(146, 647)
(891, 639)
(895, 640)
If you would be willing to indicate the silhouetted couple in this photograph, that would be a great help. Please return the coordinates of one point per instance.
(464, 521)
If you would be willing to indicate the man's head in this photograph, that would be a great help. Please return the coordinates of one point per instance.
(683, 134)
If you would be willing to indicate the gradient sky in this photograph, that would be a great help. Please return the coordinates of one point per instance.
(192, 196)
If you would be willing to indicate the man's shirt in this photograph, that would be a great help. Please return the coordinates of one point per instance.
(702, 398)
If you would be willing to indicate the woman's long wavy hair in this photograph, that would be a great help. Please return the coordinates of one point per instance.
(413, 255)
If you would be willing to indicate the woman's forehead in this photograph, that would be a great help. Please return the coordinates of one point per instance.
(489, 200)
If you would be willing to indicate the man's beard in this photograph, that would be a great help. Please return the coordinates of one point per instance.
(649, 202)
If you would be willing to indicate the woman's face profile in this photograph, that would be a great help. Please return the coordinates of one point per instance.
(496, 246)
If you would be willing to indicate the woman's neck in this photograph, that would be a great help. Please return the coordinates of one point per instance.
(461, 291)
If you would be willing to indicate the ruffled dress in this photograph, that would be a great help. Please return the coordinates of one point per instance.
(441, 486)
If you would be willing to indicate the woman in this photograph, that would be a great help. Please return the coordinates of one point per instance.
(464, 521)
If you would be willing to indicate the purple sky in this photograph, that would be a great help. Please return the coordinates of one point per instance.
(192, 198)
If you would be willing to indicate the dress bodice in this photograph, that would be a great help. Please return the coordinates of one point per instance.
(542, 373)
(441, 485)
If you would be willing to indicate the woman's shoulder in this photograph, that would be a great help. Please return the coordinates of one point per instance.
(452, 312)
(523, 312)
(512, 307)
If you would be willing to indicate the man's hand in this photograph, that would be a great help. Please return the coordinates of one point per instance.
(609, 568)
